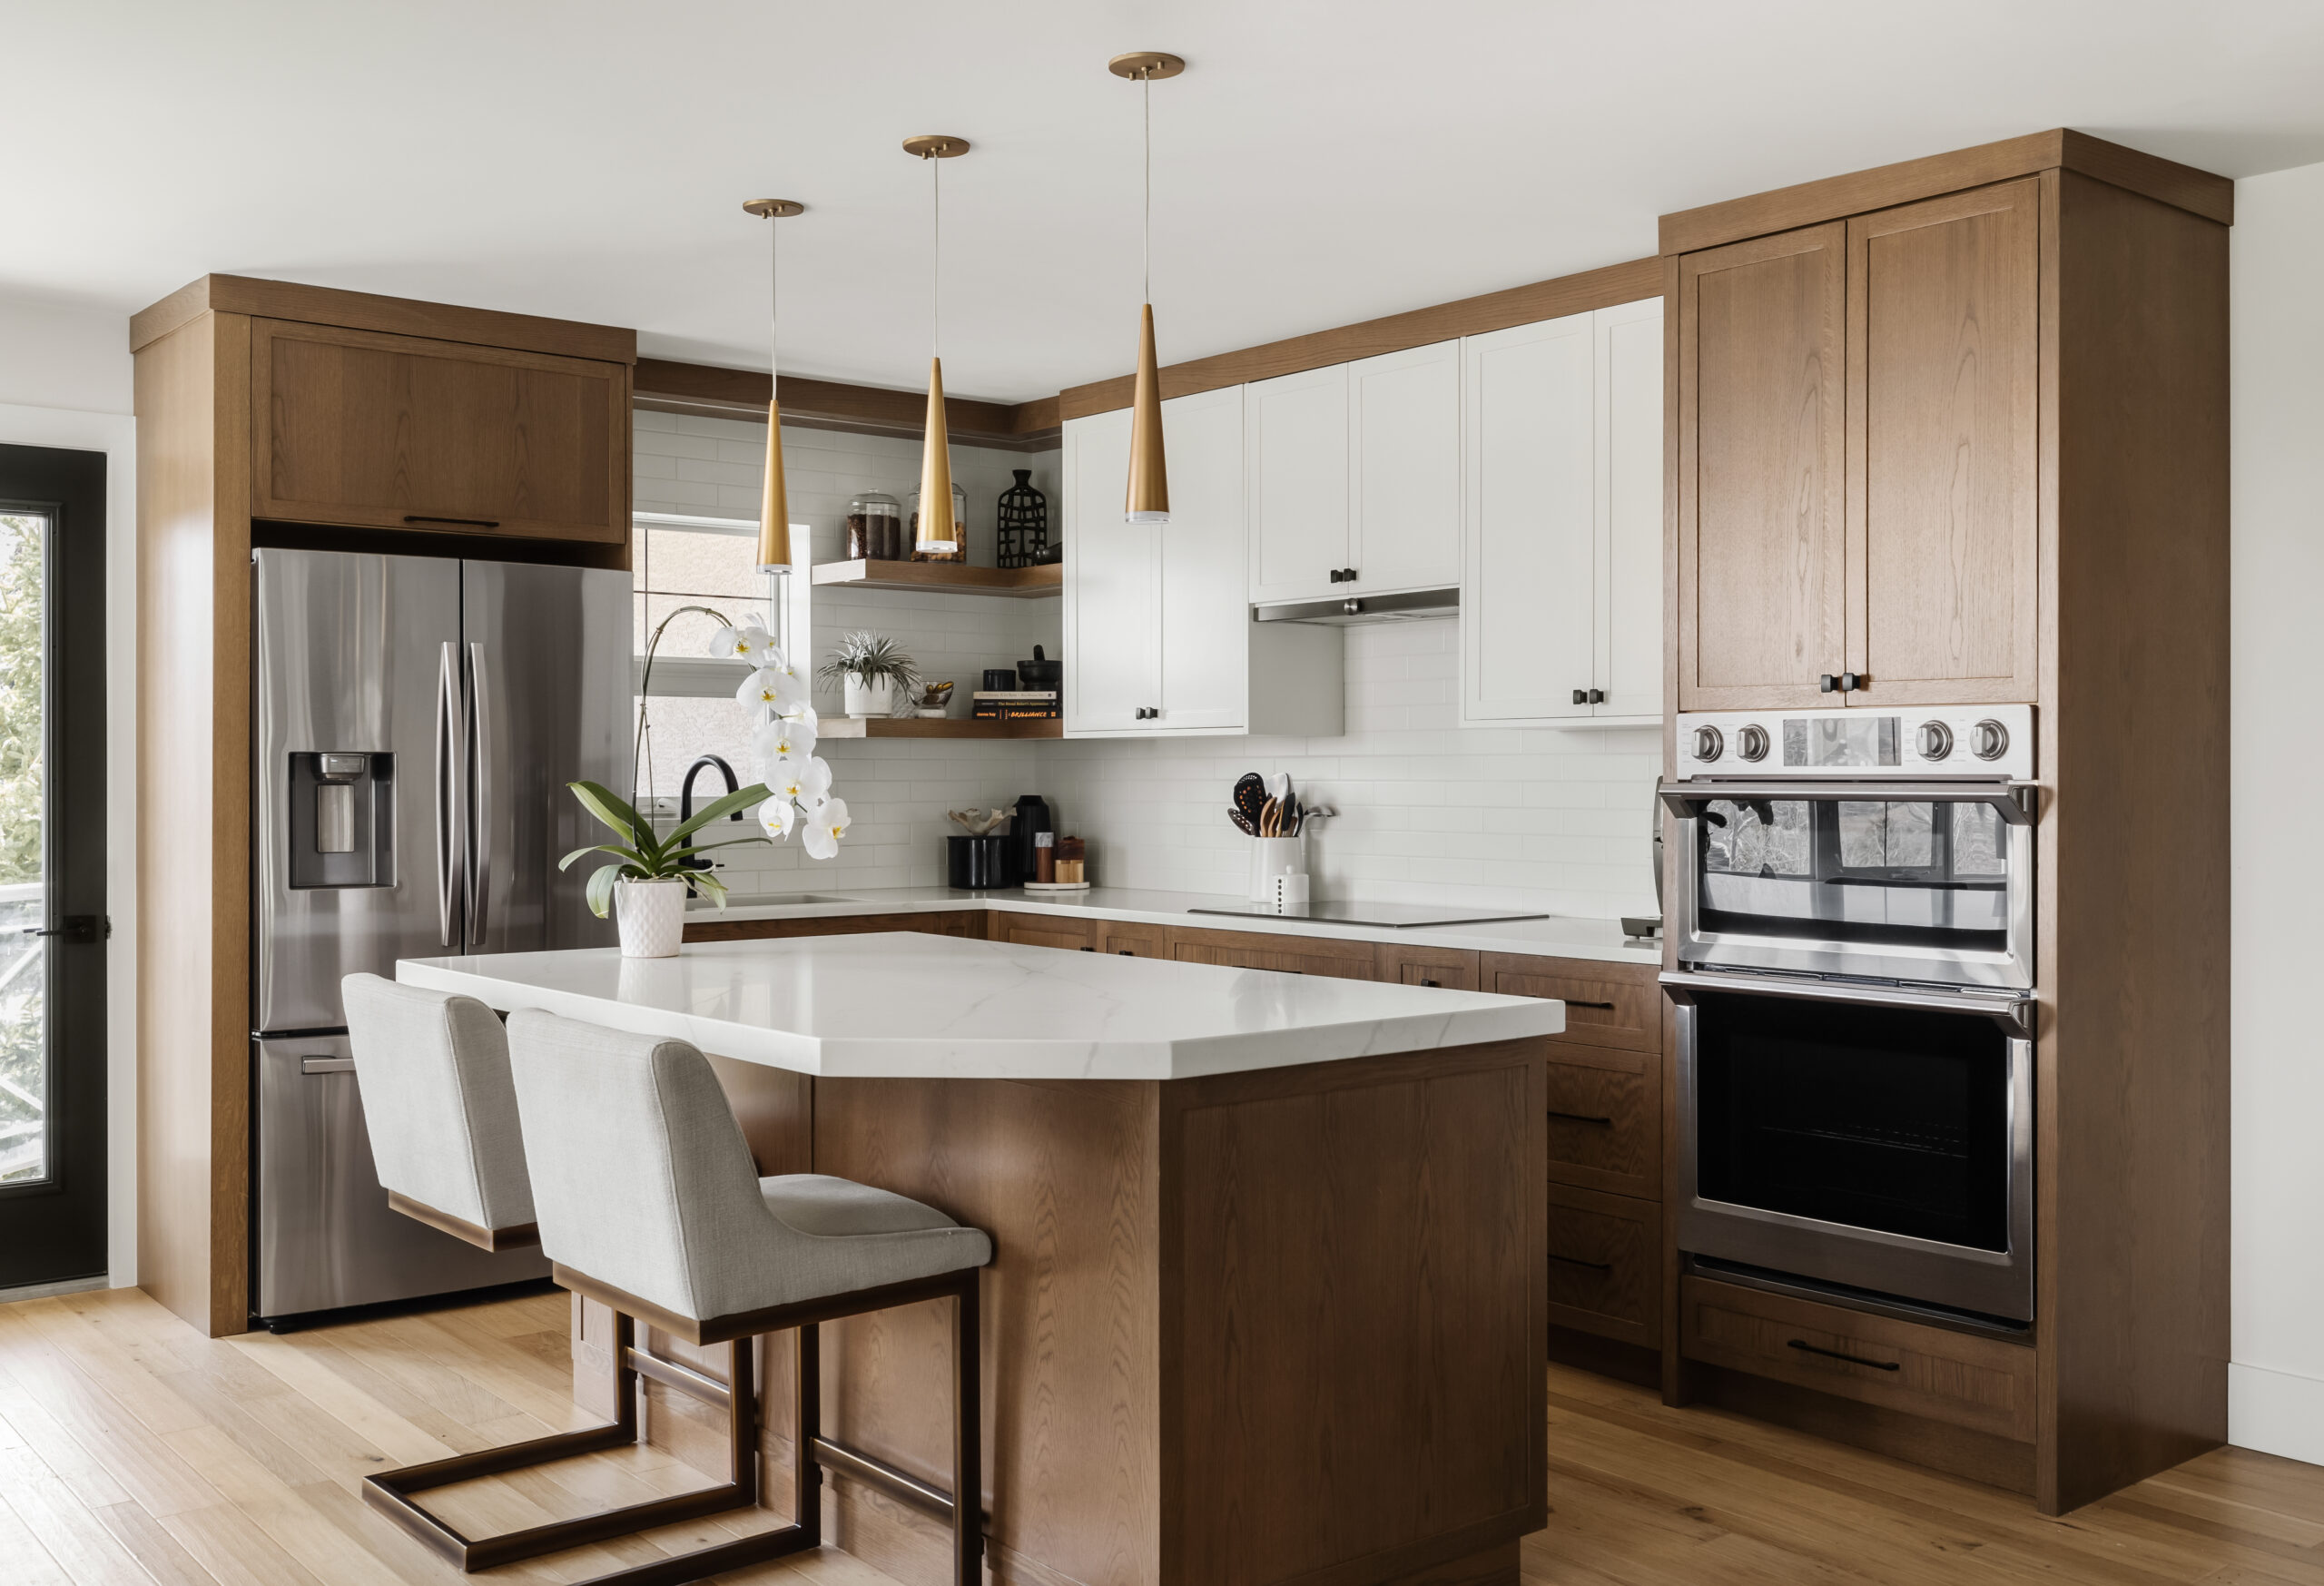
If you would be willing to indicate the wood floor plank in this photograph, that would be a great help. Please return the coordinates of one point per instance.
(144, 1466)
(314, 1379)
(23, 1559)
(74, 1538)
(162, 1554)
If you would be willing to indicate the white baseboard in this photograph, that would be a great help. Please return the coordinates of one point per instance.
(2276, 1412)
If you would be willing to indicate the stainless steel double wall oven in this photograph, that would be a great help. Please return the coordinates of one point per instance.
(1853, 927)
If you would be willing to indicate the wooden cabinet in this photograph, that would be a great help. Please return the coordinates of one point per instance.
(1297, 955)
(1129, 940)
(1606, 1004)
(1606, 1264)
(1606, 1119)
(1858, 460)
(1943, 371)
(374, 431)
(1403, 447)
(1963, 1380)
(966, 923)
(1451, 968)
(1157, 635)
(1055, 930)
(1762, 419)
(1562, 579)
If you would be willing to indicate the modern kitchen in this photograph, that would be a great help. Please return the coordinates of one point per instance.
(841, 885)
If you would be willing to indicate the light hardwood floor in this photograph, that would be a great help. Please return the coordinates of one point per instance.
(131, 1449)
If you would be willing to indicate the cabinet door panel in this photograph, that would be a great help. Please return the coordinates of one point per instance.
(1295, 451)
(379, 431)
(1109, 636)
(1630, 509)
(1944, 363)
(1762, 423)
(1204, 610)
(1527, 588)
(1297, 955)
(1403, 414)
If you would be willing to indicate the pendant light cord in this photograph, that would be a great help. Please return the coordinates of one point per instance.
(774, 305)
(1146, 87)
(935, 255)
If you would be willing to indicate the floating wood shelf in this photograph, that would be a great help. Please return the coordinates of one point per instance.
(947, 578)
(929, 727)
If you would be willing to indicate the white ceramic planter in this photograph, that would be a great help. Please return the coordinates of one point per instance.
(877, 699)
(653, 917)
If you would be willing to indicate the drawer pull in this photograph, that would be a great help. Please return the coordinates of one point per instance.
(1802, 1344)
(1578, 1261)
(1579, 1117)
(1576, 1002)
(1125, 953)
(469, 522)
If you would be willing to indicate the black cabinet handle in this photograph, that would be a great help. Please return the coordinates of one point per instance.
(1576, 1002)
(1438, 983)
(1124, 952)
(1351, 574)
(1582, 697)
(1829, 683)
(1805, 1347)
(1336, 574)
(1579, 1116)
(1597, 696)
(1850, 682)
(468, 522)
(1578, 1261)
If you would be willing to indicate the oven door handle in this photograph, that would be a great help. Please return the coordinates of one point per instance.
(2015, 1013)
(2018, 803)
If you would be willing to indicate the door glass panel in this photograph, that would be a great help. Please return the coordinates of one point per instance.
(1887, 871)
(1890, 1118)
(24, 1069)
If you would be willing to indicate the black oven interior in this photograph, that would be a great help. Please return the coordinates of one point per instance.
(1907, 873)
(1888, 1118)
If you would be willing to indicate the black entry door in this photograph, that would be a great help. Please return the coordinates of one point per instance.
(52, 925)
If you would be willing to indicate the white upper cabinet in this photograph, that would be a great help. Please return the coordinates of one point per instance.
(1404, 415)
(1561, 582)
(1157, 633)
(1295, 458)
(1111, 658)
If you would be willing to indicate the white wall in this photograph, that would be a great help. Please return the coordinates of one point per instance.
(2276, 1384)
(64, 381)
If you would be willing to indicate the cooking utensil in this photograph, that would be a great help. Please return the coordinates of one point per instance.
(1251, 795)
(1242, 822)
(1040, 672)
(1279, 787)
(1271, 820)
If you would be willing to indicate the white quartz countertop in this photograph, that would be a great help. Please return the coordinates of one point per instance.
(1556, 936)
(905, 1005)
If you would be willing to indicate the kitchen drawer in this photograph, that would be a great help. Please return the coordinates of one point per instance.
(1959, 1378)
(1297, 955)
(1058, 931)
(1606, 1004)
(1606, 1119)
(1117, 936)
(1606, 1264)
(1449, 967)
(966, 922)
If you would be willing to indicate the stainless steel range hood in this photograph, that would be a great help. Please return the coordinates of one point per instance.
(1346, 610)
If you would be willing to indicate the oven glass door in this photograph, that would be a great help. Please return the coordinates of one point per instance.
(1892, 1119)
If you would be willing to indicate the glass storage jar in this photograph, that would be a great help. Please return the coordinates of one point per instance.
(875, 528)
(958, 550)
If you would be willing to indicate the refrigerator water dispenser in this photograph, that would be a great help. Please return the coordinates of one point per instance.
(342, 820)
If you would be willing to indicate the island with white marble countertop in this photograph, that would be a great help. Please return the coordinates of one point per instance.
(1268, 1302)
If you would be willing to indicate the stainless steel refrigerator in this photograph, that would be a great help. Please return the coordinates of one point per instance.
(415, 720)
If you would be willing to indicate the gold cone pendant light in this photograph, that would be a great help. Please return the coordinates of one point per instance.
(774, 501)
(935, 538)
(1148, 499)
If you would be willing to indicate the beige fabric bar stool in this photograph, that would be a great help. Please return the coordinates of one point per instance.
(649, 1202)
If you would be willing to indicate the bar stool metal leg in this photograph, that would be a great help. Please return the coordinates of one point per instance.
(968, 1438)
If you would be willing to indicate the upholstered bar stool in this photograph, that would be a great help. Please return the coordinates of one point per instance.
(649, 1203)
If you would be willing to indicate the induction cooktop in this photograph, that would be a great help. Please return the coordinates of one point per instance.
(1394, 916)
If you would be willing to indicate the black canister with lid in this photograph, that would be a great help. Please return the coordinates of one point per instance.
(1032, 816)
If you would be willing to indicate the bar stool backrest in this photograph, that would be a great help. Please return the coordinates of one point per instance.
(640, 1175)
(439, 1102)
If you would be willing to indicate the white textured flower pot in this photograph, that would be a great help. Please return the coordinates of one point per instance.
(874, 699)
(653, 917)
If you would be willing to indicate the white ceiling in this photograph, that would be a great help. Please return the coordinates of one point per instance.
(1320, 162)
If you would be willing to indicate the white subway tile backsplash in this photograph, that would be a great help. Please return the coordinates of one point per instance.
(1431, 811)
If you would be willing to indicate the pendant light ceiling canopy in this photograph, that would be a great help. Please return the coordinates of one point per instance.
(936, 535)
(1148, 497)
(774, 501)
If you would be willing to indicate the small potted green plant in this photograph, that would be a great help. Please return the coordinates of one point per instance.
(872, 671)
(650, 874)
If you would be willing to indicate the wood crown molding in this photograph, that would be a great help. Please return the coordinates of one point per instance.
(666, 385)
(2183, 187)
(1517, 305)
(322, 305)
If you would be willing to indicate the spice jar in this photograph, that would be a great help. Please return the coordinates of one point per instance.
(1045, 857)
(875, 528)
(960, 548)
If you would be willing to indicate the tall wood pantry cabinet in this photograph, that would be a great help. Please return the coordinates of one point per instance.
(1955, 431)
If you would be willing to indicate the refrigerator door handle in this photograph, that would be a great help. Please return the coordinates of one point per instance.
(447, 788)
(480, 820)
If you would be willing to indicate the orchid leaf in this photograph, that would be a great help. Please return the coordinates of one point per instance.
(601, 889)
(614, 811)
(618, 852)
(727, 805)
(710, 887)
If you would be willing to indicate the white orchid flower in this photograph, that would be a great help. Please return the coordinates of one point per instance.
(825, 828)
(771, 693)
(776, 816)
(747, 641)
(805, 780)
(784, 738)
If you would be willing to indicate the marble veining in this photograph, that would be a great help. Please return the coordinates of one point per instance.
(904, 1005)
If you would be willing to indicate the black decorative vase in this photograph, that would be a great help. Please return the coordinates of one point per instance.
(1024, 522)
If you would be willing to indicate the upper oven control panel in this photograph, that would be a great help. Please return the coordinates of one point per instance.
(1994, 740)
